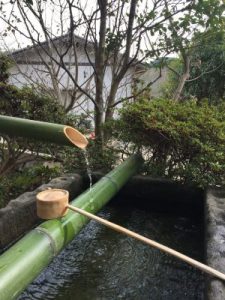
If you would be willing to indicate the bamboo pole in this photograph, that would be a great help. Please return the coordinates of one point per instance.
(152, 243)
(42, 131)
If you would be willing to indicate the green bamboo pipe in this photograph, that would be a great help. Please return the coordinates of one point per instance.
(42, 131)
(24, 261)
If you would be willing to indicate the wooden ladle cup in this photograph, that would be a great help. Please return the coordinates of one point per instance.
(52, 203)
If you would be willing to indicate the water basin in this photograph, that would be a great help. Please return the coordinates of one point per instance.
(102, 264)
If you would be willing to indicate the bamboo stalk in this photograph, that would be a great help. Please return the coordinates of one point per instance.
(152, 243)
(42, 131)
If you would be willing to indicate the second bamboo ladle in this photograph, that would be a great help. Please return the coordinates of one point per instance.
(53, 203)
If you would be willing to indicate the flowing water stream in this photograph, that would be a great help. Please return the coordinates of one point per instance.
(104, 265)
(88, 166)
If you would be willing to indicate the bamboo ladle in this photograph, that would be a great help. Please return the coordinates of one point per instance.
(53, 203)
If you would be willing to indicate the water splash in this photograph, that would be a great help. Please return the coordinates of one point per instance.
(89, 173)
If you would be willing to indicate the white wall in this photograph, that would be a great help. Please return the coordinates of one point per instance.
(29, 69)
(150, 75)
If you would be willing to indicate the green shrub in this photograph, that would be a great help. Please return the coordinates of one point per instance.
(27, 179)
(181, 141)
(5, 64)
(26, 103)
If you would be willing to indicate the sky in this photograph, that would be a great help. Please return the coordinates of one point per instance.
(56, 23)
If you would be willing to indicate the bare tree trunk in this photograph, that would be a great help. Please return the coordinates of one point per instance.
(100, 71)
(111, 100)
(99, 120)
(183, 78)
(125, 63)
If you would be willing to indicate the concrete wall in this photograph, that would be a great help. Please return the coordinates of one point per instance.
(215, 241)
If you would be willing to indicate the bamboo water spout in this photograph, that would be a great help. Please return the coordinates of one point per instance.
(24, 261)
(42, 131)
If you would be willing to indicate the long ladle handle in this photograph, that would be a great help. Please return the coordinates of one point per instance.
(150, 242)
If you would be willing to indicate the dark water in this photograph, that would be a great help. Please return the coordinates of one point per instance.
(102, 264)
